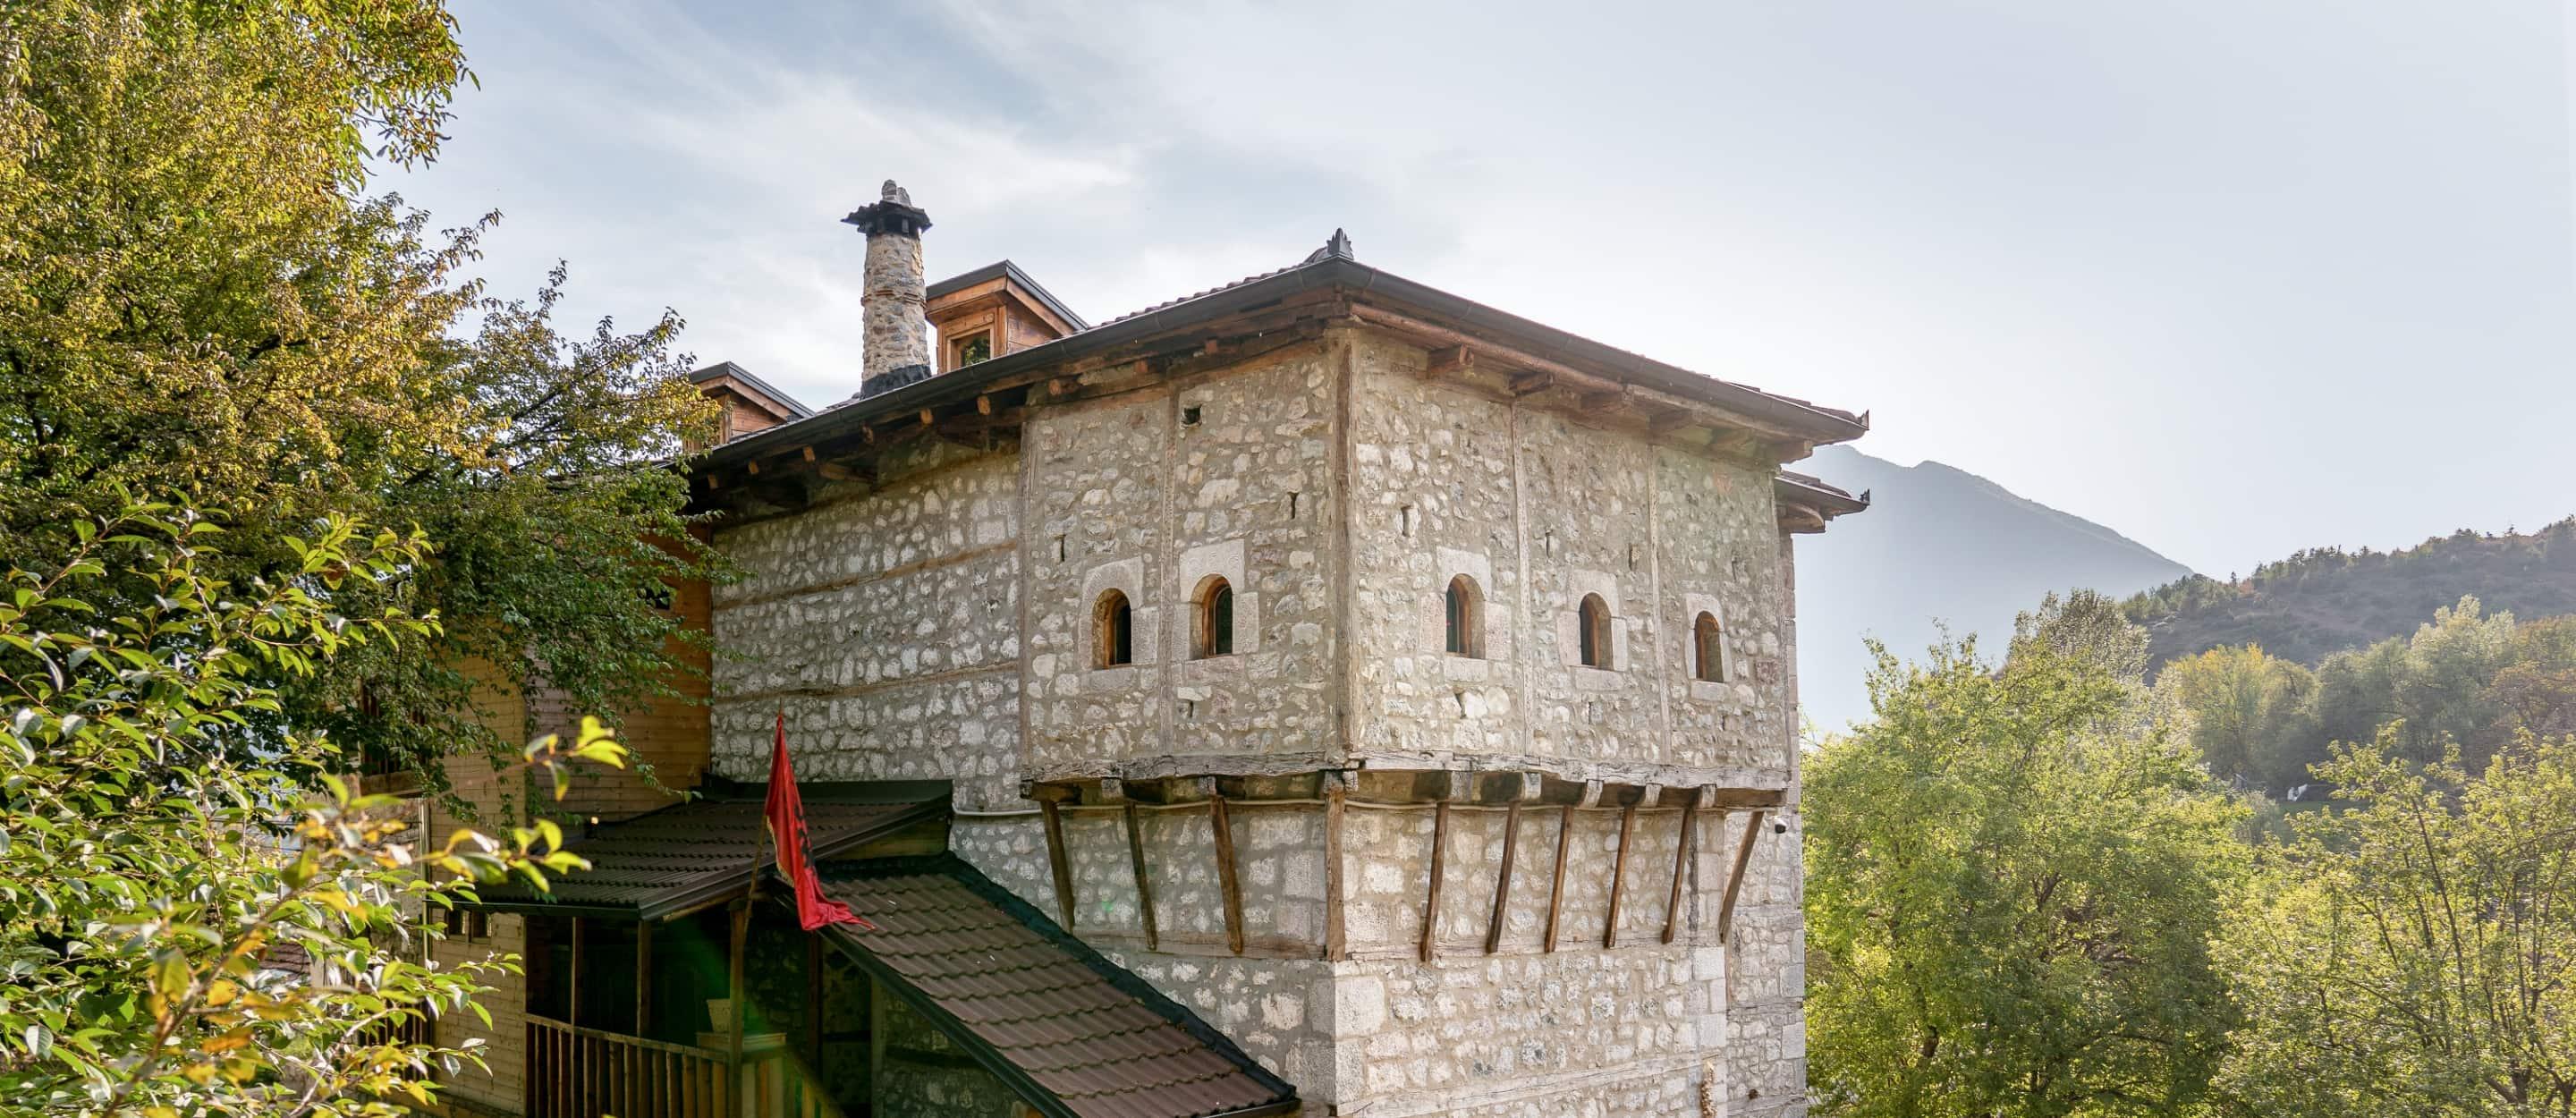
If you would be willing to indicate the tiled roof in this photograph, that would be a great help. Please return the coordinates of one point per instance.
(1037, 1006)
(667, 860)
(1222, 287)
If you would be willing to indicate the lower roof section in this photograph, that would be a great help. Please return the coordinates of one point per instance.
(690, 854)
(1070, 1032)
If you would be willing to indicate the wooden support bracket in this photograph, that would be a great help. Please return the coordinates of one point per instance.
(1684, 849)
(1136, 865)
(1556, 882)
(1618, 876)
(1449, 361)
(1503, 878)
(1431, 899)
(1225, 874)
(1735, 877)
(1057, 863)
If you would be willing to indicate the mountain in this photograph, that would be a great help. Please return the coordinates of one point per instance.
(2325, 600)
(1939, 545)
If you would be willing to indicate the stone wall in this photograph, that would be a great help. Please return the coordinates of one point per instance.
(1153, 493)
(885, 624)
(941, 625)
(1541, 510)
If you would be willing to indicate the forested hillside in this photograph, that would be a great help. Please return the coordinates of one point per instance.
(2325, 600)
(1940, 550)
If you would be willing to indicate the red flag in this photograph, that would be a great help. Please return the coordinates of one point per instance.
(786, 820)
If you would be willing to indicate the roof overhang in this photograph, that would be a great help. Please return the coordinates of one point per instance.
(1806, 504)
(1325, 279)
(684, 857)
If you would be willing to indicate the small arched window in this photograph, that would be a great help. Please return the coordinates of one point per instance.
(1708, 648)
(1213, 633)
(1466, 610)
(1113, 632)
(1593, 625)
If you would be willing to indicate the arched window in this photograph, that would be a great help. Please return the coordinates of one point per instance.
(1466, 608)
(1213, 632)
(1594, 631)
(1708, 648)
(1113, 634)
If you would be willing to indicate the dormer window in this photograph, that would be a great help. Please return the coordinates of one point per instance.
(972, 348)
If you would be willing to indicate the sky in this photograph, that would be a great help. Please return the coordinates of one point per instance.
(2234, 277)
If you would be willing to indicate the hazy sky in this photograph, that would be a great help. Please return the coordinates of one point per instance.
(2232, 277)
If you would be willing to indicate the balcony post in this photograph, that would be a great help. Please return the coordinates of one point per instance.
(741, 1008)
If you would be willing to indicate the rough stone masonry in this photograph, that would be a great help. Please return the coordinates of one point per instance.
(1473, 883)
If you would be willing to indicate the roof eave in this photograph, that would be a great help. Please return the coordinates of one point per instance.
(1817, 425)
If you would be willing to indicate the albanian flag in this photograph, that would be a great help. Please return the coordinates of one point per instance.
(786, 819)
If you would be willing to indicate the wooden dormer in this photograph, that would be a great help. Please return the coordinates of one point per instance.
(991, 311)
(750, 403)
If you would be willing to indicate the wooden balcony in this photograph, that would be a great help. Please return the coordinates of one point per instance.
(576, 1072)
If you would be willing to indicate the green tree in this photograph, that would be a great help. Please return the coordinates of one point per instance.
(2442, 693)
(2086, 624)
(2012, 881)
(2415, 954)
(198, 297)
(2248, 714)
(160, 843)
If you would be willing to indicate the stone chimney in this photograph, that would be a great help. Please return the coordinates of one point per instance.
(896, 350)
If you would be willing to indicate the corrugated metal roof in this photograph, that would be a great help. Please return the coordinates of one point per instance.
(686, 854)
(1044, 1012)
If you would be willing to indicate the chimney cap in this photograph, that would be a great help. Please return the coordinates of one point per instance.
(892, 212)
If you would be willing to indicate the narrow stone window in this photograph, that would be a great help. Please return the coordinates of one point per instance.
(1708, 648)
(1213, 632)
(1190, 416)
(1593, 631)
(1466, 607)
(1112, 632)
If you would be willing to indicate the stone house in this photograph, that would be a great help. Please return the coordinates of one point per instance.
(1387, 701)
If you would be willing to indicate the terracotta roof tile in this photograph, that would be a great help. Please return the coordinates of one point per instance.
(1069, 1022)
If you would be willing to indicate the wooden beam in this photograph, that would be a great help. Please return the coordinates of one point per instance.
(644, 978)
(572, 989)
(1136, 865)
(1531, 383)
(984, 405)
(1682, 854)
(1336, 789)
(739, 994)
(1735, 877)
(807, 452)
(1431, 900)
(813, 1000)
(1449, 361)
(1503, 879)
(1618, 876)
(876, 1046)
(1056, 862)
(1556, 882)
(1225, 874)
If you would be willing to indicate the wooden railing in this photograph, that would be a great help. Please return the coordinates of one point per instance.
(575, 1072)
